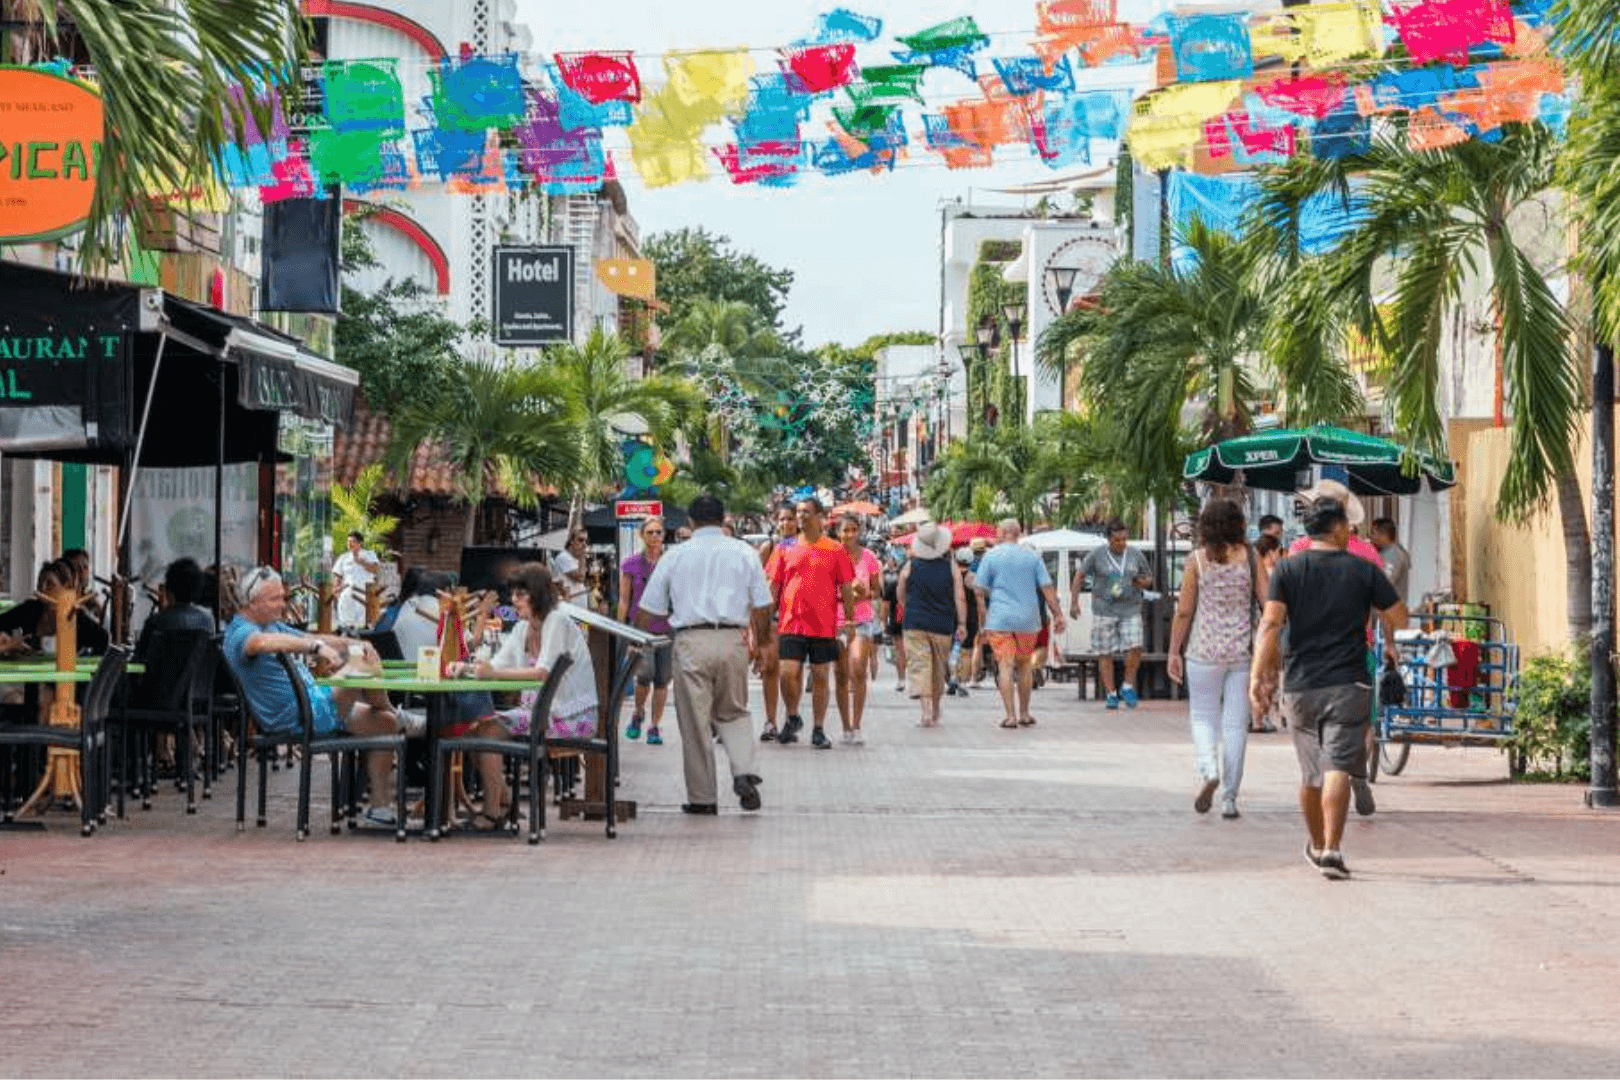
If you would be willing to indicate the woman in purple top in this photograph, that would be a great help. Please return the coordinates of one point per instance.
(657, 667)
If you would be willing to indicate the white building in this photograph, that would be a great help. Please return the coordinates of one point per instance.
(442, 239)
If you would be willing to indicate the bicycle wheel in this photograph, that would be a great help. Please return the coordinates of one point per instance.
(1392, 756)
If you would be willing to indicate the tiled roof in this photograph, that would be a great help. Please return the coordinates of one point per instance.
(366, 441)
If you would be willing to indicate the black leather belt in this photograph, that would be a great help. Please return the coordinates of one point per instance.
(710, 626)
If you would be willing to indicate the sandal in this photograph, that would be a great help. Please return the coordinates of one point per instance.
(1009, 723)
(1028, 721)
(475, 823)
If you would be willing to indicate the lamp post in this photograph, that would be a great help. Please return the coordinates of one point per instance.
(1013, 312)
(1062, 280)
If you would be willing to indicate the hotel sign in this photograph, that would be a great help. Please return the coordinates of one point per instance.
(534, 295)
(51, 131)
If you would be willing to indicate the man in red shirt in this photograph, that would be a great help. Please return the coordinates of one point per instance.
(808, 582)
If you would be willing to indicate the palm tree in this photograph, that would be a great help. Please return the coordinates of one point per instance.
(731, 325)
(1156, 339)
(602, 405)
(1427, 221)
(167, 73)
(1583, 34)
(504, 427)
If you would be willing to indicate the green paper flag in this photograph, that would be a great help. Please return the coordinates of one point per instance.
(866, 120)
(892, 82)
(959, 33)
(364, 94)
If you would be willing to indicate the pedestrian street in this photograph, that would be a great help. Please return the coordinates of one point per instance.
(957, 901)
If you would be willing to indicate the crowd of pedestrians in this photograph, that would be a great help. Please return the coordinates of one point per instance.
(810, 609)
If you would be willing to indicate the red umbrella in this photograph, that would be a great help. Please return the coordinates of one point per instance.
(965, 532)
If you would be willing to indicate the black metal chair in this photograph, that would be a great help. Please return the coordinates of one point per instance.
(604, 744)
(174, 696)
(529, 748)
(251, 740)
(344, 750)
(89, 739)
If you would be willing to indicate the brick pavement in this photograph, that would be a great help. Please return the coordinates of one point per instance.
(954, 902)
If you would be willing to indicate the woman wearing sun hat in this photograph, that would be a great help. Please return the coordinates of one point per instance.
(935, 606)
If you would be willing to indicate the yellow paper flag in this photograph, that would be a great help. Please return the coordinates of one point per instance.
(1169, 125)
(1332, 33)
(666, 141)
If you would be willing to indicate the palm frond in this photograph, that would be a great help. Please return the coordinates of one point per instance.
(1542, 385)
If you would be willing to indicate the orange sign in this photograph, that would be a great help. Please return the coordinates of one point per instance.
(50, 154)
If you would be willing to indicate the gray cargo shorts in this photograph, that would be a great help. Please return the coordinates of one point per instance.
(1330, 730)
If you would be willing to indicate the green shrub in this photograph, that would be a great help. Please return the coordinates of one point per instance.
(1552, 731)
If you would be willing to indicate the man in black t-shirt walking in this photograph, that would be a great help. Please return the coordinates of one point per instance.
(1325, 594)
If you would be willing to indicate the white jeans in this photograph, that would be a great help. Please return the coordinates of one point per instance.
(1218, 706)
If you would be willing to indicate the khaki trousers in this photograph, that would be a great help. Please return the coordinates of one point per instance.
(711, 697)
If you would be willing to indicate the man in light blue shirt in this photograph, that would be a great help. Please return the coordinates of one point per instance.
(1013, 582)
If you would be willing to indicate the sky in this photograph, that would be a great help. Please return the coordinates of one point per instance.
(864, 249)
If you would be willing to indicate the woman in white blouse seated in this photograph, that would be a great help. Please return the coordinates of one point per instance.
(529, 651)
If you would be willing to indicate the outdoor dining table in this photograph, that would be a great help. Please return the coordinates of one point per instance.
(400, 680)
(34, 672)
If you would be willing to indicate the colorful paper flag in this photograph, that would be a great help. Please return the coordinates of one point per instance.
(601, 76)
(1025, 75)
(364, 95)
(1444, 29)
(1208, 48)
(820, 68)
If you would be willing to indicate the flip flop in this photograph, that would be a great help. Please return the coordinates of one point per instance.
(1009, 723)
(1028, 721)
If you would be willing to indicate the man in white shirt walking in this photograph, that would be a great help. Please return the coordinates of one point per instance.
(711, 588)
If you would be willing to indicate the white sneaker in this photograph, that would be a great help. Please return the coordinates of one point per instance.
(848, 738)
(856, 738)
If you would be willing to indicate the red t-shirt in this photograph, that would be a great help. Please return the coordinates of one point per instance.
(810, 578)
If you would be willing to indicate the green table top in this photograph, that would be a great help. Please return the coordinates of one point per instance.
(40, 669)
(22, 676)
(410, 684)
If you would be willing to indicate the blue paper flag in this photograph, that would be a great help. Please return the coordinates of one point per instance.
(1025, 75)
(1210, 48)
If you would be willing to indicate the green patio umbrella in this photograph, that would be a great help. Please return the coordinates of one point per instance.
(1276, 460)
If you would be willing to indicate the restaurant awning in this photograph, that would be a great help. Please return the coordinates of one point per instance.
(86, 364)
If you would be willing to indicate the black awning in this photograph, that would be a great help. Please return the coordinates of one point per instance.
(64, 359)
(80, 355)
(275, 372)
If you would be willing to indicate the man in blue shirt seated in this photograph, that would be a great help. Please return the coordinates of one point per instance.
(256, 633)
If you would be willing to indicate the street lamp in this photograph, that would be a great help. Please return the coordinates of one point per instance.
(1062, 279)
(1013, 312)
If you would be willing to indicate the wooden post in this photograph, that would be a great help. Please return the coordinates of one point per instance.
(325, 602)
(61, 777)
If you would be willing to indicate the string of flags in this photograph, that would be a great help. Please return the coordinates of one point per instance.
(1209, 92)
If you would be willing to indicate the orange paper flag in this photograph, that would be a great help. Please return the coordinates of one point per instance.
(637, 278)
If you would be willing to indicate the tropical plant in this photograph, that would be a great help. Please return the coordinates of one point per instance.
(352, 505)
(1157, 339)
(165, 69)
(395, 336)
(600, 404)
(983, 475)
(1427, 221)
(505, 427)
(731, 326)
(743, 490)
(695, 264)
(1552, 728)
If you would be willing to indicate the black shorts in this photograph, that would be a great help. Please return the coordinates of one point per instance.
(818, 650)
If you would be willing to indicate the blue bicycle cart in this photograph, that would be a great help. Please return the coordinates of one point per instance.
(1462, 688)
